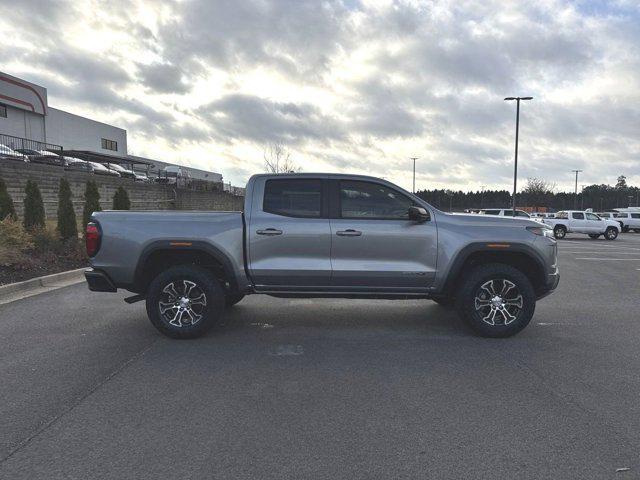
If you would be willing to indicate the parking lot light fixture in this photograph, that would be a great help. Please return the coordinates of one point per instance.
(515, 163)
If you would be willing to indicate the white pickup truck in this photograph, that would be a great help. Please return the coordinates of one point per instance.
(572, 221)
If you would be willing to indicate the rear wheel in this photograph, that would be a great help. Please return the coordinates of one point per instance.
(594, 235)
(496, 300)
(611, 233)
(184, 301)
(560, 231)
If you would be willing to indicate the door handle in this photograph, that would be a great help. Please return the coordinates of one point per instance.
(348, 233)
(269, 231)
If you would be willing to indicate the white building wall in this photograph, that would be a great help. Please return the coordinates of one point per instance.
(74, 132)
(21, 123)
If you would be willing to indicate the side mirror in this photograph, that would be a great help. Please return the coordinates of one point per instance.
(418, 214)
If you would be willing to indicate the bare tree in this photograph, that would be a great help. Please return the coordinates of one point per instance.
(277, 159)
(538, 192)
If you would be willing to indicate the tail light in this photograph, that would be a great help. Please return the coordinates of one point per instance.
(92, 238)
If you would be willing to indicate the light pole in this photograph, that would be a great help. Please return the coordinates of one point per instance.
(515, 163)
(575, 193)
(414, 173)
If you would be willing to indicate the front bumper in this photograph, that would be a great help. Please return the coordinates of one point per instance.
(99, 281)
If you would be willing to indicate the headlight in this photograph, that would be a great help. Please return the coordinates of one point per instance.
(542, 231)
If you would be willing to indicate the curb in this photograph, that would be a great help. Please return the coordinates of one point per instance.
(51, 281)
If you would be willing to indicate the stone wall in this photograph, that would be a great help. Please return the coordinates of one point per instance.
(143, 196)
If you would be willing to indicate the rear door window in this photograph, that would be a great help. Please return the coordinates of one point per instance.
(293, 197)
(577, 216)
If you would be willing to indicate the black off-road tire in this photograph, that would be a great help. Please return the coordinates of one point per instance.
(560, 231)
(611, 233)
(231, 299)
(594, 235)
(205, 282)
(470, 288)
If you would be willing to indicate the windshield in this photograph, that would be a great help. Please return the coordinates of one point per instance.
(5, 149)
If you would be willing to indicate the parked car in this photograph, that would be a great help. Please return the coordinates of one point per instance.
(328, 235)
(11, 154)
(141, 177)
(171, 174)
(121, 170)
(42, 156)
(572, 221)
(504, 212)
(629, 221)
(76, 164)
(100, 169)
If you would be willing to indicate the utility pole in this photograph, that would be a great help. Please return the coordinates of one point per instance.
(515, 163)
(575, 193)
(414, 173)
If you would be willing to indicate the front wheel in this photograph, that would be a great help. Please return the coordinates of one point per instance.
(611, 233)
(560, 232)
(184, 301)
(496, 300)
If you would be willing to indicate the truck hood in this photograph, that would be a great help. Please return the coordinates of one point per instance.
(472, 219)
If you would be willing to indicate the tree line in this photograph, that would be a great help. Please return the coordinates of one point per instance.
(538, 194)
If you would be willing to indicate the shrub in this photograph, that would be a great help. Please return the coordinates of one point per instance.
(91, 202)
(6, 203)
(121, 200)
(14, 240)
(33, 207)
(67, 226)
(46, 239)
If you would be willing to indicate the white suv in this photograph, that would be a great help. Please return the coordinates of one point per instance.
(629, 221)
(504, 212)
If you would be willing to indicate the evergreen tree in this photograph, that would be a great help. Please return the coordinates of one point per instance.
(67, 227)
(121, 200)
(6, 203)
(33, 207)
(91, 202)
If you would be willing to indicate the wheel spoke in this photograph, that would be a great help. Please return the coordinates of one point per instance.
(507, 286)
(171, 290)
(515, 302)
(187, 287)
(165, 306)
(482, 303)
(199, 300)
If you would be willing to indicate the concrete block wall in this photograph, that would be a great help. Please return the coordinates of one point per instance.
(143, 196)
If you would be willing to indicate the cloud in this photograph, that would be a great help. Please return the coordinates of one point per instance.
(353, 86)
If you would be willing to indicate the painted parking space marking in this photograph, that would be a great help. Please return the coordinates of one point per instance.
(606, 258)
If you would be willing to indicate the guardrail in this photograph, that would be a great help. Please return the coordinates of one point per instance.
(19, 142)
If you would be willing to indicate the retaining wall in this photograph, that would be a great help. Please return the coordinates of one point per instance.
(143, 196)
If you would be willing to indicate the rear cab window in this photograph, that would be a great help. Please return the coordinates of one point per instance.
(293, 197)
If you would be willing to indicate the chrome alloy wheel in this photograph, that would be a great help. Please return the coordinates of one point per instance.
(498, 302)
(182, 303)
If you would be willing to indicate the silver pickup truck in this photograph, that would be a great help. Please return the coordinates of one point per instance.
(322, 235)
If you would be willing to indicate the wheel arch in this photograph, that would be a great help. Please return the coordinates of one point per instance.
(519, 256)
(161, 255)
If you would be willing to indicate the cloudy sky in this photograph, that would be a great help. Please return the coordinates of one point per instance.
(348, 86)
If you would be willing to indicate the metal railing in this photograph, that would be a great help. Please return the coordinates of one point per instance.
(19, 142)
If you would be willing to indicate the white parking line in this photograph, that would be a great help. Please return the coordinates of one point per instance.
(596, 251)
(605, 258)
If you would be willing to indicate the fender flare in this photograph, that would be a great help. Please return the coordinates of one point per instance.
(480, 247)
(194, 246)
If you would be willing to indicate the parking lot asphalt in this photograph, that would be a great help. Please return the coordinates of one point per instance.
(329, 388)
